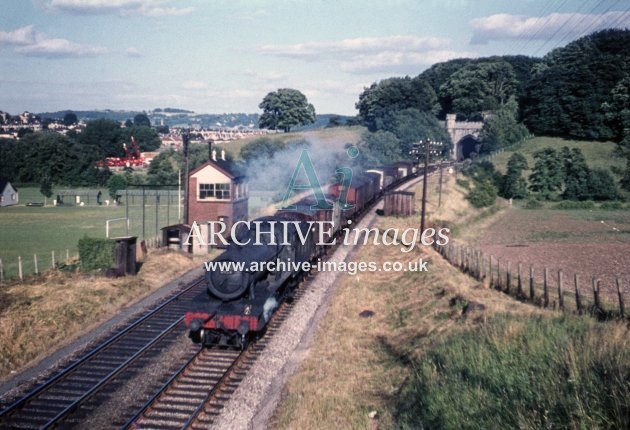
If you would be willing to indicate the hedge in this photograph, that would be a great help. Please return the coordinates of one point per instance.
(96, 253)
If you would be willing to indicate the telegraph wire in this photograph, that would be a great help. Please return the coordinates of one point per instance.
(553, 36)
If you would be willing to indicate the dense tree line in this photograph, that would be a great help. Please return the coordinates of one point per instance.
(52, 158)
(569, 88)
(556, 175)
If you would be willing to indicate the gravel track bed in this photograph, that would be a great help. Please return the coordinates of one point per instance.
(253, 403)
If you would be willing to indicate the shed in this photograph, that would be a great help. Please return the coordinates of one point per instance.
(8, 194)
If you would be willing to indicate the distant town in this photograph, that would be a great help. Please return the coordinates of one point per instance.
(168, 122)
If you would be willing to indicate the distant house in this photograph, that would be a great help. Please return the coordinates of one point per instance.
(8, 194)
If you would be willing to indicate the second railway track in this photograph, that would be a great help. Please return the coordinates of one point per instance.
(96, 373)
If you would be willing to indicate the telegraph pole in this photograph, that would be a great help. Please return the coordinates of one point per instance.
(424, 184)
(440, 189)
(185, 141)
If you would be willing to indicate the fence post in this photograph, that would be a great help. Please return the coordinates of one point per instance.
(519, 285)
(67, 254)
(508, 279)
(479, 264)
(35, 260)
(1, 271)
(578, 302)
(498, 274)
(622, 309)
(491, 272)
(20, 267)
(560, 297)
(52, 264)
(531, 283)
(546, 288)
(596, 294)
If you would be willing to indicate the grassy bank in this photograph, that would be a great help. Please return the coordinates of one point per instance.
(45, 312)
(439, 350)
(561, 372)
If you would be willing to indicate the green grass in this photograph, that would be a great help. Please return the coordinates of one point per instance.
(598, 154)
(565, 372)
(25, 231)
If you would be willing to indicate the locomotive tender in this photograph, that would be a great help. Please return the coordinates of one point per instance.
(263, 265)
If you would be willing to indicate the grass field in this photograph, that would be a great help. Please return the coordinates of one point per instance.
(25, 231)
(598, 154)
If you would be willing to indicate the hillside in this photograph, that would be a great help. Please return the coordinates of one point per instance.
(603, 155)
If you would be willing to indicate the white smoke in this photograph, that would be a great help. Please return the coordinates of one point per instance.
(274, 174)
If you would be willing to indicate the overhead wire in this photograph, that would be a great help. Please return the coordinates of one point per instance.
(559, 29)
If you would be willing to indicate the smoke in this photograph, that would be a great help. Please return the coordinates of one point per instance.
(274, 174)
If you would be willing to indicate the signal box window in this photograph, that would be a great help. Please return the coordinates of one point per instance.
(214, 191)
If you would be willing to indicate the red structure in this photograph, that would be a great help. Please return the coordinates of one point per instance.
(132, 158)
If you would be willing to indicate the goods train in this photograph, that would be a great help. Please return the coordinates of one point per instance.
(242, 294)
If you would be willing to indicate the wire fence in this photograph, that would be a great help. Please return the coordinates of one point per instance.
(602, 297)
(26, 266)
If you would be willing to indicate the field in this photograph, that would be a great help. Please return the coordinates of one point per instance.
(439, 350)
(587, 242)
(598, 154)
(25, 231)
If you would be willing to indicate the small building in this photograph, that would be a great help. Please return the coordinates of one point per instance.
(217, 191)
(8, 194)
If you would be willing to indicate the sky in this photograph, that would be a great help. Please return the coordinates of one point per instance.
(222, 56)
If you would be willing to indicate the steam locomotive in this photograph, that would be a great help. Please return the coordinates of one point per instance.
(264, 263)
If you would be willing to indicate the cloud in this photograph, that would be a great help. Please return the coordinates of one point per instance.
(193, 85)
(133, 52)
(32, 43)
(254, 16)
(59, 48)
(21, 36)
(504, 26)
(372, 54)
(154, 8)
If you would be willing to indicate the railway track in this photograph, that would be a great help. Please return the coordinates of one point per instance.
(192, 398)
(79, 388)
(196, 394)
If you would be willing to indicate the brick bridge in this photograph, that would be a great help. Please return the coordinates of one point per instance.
(464, 135)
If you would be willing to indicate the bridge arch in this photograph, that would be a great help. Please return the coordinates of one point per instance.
(467, 147)
(463, 134)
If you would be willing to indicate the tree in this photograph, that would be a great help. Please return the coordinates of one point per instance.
(103, 137)
(263, 147)
(115, 184)
(478, 87)
(378, 148)
(45, 187)
(617, 111)
(514, 185)
(128, 123)
(147, 138)
(567, 89)
(601, 185)
(576, 174)
(502, 129)
(411, 126)
(141, 119)
(547, 175)
(395, 94)
(163, 169)
(284, 109)
(70, 118)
